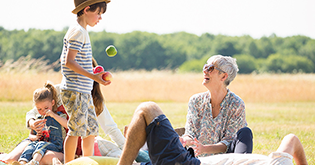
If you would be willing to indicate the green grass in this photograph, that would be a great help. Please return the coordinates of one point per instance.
(270, 122)
(12, 124)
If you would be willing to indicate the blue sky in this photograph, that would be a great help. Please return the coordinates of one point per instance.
(256, 18)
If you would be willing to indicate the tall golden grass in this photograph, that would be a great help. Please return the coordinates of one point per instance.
(130, 86)
(168, 86)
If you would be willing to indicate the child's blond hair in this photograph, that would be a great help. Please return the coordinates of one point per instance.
(48, 92)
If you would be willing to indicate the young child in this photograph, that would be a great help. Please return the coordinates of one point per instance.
(77, 81)
(51, 138)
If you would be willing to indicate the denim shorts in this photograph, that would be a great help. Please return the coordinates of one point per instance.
(55, 141)
(164, 144)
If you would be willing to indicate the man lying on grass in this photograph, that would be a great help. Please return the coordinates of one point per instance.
(150, 125)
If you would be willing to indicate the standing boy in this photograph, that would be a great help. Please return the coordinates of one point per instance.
(77, 81)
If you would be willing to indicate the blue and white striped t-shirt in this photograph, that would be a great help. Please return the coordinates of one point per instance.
(77, 38)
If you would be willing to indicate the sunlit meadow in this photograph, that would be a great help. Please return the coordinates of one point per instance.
(276, 104)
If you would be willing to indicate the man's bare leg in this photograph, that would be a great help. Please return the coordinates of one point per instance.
(292, 145)
(136, 134)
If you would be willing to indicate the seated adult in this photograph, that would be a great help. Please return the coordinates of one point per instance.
(216, 118)
(150, 125)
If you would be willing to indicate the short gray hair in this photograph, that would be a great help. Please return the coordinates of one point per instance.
(227, 64)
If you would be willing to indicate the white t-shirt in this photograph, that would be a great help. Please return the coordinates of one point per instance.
(77, 38)
(248, 159)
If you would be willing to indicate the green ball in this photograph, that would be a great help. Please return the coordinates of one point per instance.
(111, 51)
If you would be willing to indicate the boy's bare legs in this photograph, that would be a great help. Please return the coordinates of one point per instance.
(88, 145)
(70, 147)
(136, 134)
(292, 145)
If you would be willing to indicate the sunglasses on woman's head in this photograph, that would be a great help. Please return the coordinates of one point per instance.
(210, 68)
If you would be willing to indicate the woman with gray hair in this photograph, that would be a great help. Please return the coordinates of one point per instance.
(216, 119)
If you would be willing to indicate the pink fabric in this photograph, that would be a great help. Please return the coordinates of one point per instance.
(97, 151)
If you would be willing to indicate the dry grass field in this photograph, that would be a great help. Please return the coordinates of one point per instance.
(166, 86)
(276, 104)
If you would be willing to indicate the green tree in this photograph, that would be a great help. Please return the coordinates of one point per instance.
(289, 64)
(308, 51)
(253, 50)
(294, 43)
(191, 66)
(140, 50)
(246, 63)
(100, 41)
(266, 47)
(143, 50)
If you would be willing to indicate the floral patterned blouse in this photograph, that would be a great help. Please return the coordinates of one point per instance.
(208, 130)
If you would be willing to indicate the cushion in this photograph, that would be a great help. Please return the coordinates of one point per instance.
(96, 149)
(94, 160)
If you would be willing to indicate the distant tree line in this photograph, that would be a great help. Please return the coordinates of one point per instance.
(181, 50)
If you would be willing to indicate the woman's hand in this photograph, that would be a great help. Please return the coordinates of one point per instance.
(198, 148)
(37, 125)
(38, 135)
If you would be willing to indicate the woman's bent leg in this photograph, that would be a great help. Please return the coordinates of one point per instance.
(49, 155)
(16, 153)
(242, 142)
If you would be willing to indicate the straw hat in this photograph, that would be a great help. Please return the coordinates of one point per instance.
(81, 4)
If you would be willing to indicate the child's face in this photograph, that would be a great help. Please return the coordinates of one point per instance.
(43, 106)
(94, 17)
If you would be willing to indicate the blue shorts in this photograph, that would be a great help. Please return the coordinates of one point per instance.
(164, 144)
